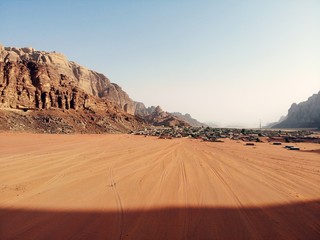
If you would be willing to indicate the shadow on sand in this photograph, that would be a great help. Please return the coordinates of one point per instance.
(292, 221)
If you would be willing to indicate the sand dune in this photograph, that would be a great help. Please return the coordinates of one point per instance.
(132, 187)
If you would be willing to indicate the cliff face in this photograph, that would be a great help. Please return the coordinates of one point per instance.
(46, 80)
(34, 80)
(140, 109)
(303, 115)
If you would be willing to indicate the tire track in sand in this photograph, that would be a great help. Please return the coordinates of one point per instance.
(243, 215)
(118, 202)
(184, 186)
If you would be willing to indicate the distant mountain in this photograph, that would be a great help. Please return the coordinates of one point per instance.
(303, 115)
(234, 126)
(212, 124)
(158, 117)
(188, 119)
(270, 125)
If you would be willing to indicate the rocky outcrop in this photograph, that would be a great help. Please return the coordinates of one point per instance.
(158, 117)
(46, 71)
(188, 119)
(140, 109)
(303, 115)
(31, 81)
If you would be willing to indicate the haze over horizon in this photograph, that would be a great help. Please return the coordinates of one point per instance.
(227, 62)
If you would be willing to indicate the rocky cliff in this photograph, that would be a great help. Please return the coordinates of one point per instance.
(158, 117)
(303, 115)
(33, 80)
(140, 109)
(40, 72)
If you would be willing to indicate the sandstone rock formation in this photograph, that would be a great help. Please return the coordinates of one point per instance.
(158, 117)
(41, 76)
(140, 109)
(33, 80)
(303, 115)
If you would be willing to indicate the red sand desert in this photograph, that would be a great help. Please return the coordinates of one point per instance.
(132, 187)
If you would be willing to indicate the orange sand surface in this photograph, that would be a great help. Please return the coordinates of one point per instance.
(134, 187)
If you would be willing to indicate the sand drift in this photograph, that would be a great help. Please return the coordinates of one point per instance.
(133, 187)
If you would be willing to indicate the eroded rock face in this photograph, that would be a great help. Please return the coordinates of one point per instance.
(39, 80)
(115, 93)
(68, 95)
(29, 85)
(140, 109)
(46, 71)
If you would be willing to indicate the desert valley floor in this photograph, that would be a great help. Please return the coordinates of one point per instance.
(135, 187)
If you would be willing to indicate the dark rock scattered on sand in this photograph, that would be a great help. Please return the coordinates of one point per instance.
(275, 137)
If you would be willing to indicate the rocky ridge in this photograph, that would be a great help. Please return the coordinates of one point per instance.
(188, 119)
(42, 84)
(49, 70)
(158, 117)
(303, 115)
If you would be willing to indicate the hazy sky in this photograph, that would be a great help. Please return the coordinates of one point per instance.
(232, 62)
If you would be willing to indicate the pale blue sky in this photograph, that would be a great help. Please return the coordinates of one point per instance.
(232, 62)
